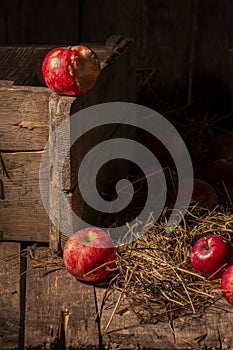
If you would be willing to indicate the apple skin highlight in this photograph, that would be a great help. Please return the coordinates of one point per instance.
(211, 255)
(85, 251)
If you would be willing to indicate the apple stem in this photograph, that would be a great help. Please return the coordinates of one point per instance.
(207, 244)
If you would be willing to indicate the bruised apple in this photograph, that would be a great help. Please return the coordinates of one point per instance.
(71, 70)
(211, 255)
(89, 255)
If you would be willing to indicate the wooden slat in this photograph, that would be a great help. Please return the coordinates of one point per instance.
(22, 64)
(22, 215)
(10, 31)
(24, 118)
(52, 292)
(162, 33)
(213, 74)
(49, 293)
(9, 295)
(59, 107)
(208, 330)
(50, 22)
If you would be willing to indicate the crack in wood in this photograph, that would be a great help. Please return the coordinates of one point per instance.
(30, 125)
(3, 170)
(23, 269)
(62, 329)
(98, 320)
(2, 196)
(4, 173)
(21, 151)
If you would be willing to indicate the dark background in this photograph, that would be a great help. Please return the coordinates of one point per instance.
(183, 48)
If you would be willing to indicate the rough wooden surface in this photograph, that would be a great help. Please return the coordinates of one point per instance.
(41, 23)
(9, 295)
(61, 312)
(24, 118)
(22, 215)
(59, 107)
(51, 295)
(28, 115)
(24, 130)
(116, 67)
(22, 64)
(10, 32)
(213, 60)
(210, 329)
(162, 33)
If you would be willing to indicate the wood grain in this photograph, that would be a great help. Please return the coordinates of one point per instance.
(53, 292)
(22, 215)
(208, 330)
(162, 33)
(59, 107)
(22, 64)
(10, 31)
(50, 22)
(49, 294)
(24, 118)
(213, 65)
(9, 295)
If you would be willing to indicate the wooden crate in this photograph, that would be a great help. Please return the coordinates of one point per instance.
(45, 307)
(28, 115)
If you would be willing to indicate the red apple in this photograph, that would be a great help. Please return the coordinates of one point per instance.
(204, 195)
(227, 284)
(221, 146)
(221, 170)
(71, 70)
(87, 250)
(211, 255)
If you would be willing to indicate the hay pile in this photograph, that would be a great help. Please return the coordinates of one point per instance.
(155, 273)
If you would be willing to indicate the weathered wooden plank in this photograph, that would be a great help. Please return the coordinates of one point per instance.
(168, 34)
(163, 37)
(208, 330)
(213, 68)
(22, 215)
(10, 32)
(22, 64)
(42, 23)
(51, 294)
(59, 108)
(62, 311)
(24, 118)
(9, 295)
